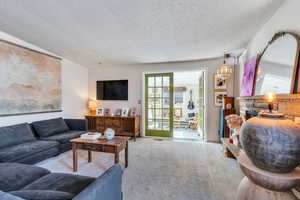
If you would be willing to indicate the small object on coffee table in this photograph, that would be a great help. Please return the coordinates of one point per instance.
(109, 133)
(115, 146)
(91, 136)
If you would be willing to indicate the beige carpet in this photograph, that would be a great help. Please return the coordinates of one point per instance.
(164, 169)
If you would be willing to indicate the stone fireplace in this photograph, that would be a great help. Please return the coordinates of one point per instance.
(288, 104)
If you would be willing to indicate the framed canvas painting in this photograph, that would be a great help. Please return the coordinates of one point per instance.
(249, 77)
(30, 81)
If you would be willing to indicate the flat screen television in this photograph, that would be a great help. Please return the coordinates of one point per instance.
(112, 90)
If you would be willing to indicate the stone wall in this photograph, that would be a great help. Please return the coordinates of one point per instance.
(287, 104)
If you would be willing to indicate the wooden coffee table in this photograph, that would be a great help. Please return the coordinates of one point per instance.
(115, 146)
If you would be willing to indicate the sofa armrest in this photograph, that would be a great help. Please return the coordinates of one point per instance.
(77, 124)
(108, 186)
(7, 196)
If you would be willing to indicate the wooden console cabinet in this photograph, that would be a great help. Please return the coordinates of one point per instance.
(123, 126)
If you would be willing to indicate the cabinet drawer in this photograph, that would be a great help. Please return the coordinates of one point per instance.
(129, 134)
(100, 122)
(101, 148)
(112, 122)
(117, 130)
(91, 147)
(108, 122)
(100, 129)
(116, 123)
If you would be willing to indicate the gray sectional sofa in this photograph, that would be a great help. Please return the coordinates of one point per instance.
(26, 182)
(32, 143)
(18, 144)
(25, 143)
(60, 130)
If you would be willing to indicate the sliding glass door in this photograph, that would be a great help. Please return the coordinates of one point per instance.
(159, 104)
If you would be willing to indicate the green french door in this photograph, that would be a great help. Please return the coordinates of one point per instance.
(159, 104)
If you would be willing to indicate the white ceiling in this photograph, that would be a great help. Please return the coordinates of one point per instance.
(186, 78)
(135, 31)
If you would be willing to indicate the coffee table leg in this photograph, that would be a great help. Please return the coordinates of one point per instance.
(116, 156)
(89, 156)
(74, 157)
(126, 155)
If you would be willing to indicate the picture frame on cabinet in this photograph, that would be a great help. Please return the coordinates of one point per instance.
(133, 111)
(118, 112)
(125, 112)
(106, 111)
(100, 111)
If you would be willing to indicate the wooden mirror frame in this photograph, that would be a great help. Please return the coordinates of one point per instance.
(295, 82)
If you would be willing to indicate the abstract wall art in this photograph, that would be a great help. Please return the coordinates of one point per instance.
(30, 81)
(249, 77)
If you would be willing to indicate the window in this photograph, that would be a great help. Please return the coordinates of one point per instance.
(178, 97)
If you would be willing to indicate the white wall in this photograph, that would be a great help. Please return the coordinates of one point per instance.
(134, 74)
(74, 90)
(285, 19)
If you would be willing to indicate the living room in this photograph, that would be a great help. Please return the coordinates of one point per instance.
(181, 100)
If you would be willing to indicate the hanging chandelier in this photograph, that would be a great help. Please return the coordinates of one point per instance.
(225, 71)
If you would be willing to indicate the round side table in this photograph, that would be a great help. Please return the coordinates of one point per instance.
(263, 185)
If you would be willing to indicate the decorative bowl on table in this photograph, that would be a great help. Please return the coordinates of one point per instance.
(109, 133)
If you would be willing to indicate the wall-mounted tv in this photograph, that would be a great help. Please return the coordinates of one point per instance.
(112, 90)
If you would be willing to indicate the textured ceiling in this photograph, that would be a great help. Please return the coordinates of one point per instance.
(187, 78)
(135, 31)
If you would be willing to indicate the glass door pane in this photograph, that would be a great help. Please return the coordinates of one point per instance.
(158, 104)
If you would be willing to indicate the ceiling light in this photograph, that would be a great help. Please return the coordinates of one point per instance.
(225, 70)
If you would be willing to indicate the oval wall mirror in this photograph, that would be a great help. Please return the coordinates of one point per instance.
(277, 69)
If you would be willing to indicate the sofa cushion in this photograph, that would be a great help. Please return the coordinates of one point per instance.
(73, 184)
(38, 157)
(7, 196)
(108, 186)
(14, 176)
(50, 127)
(16, 134)
(65, 137)
(77, 124)
(19, 151)
(42, 195)
(63, 147)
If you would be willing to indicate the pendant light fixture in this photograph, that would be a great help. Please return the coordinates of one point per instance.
(225, 71)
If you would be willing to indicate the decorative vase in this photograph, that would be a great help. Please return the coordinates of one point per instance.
(272, 142)
(109, 133)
